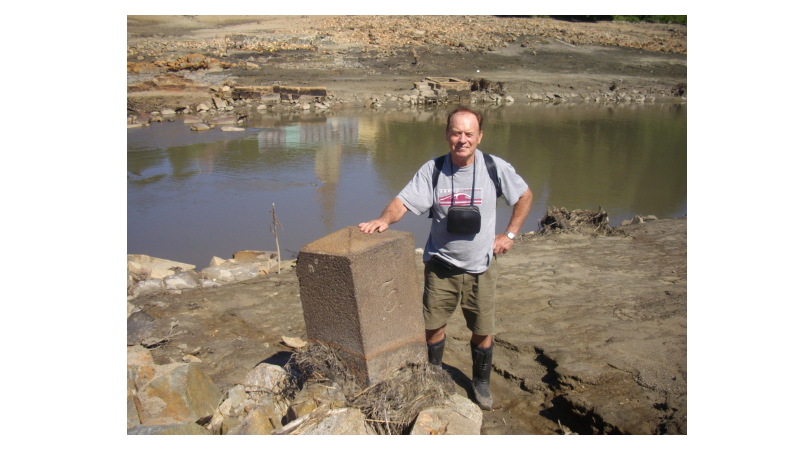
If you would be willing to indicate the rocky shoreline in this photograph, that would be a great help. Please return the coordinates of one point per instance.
(379, 62)
(591, 339)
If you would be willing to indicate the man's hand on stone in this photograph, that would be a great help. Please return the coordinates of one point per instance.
(502, 244)
(371, 226)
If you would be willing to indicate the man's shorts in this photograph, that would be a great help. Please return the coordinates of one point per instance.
(445, 288)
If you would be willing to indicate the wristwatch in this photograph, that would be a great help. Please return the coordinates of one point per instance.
(510, 235)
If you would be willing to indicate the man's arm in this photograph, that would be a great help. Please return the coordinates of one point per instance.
(501, 242)
(392, 213)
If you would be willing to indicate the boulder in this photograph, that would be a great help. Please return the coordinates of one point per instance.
(458, 416)
(209, 284)
(230, 273)
(133, 413)
(625, 223)
(180, 391)
(265, 377)
(166, 111)
(201, 127)
(254, 255)
(347, 421)
(232, 129)
(651, 217)
(227, 119)
(187, 428)
(219, 103)
(140, 366)
(188, 119)
(157, 267)
(140, 326)
(251, 66)
(184, 280)
(637, 219)
(261, 107)
(313, 396)
(216, 261)
(509, 99)
(145, 287)
(201, 107)
(263, 419)
(131, 309)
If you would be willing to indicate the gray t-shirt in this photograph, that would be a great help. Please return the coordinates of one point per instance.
(470, 252)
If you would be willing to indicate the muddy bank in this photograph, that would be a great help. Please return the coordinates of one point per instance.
(591, 332)
(363, 57)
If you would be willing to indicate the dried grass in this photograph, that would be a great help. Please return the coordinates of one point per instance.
(390, 406)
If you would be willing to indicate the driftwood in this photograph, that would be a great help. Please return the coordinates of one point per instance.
(579, 221)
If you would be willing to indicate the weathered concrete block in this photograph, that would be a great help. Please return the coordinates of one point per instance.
(360, 295)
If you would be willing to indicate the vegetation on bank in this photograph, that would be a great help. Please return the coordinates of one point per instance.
(595, 18)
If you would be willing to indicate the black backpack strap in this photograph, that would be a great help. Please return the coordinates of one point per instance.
(438, 164)
(492, 169)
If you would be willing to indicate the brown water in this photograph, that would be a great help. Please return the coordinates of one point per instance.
(194, 195)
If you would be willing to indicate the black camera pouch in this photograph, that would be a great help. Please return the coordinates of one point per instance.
(463, 220)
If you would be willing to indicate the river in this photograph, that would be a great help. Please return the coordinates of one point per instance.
(194, 195)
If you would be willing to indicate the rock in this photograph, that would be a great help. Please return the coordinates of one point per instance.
(188, 358)
(209, 284)
(650, 217)
(166, 111)
(261, 107)
(140, 366)
(131, 309)
(201, 127)
(251, 66)
(231, 129)
(419, 251)
(184, 280)
(348, 421)
(219, 103)
(140, 326)
(187, 428)
(188, 119)
(180, 391)
(201, 107)
(625, 223)
(216, 261)
(230, 274)
(637, 219)
(509, 99)
(265, 377)
(237, 396)
(130, 126)
(263, 419)
(458, 416)
(293, 342)
(133, 412)
(157, 267)
(313, 396)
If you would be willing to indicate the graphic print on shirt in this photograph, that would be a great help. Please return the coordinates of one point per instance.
(463, 197)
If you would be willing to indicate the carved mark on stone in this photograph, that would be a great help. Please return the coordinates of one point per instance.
(389, 295)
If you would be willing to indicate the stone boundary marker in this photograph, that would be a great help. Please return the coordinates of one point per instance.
(361, 296)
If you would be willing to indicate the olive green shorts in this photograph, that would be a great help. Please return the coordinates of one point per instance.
(445, 288)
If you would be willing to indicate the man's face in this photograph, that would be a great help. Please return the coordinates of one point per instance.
(464, 136)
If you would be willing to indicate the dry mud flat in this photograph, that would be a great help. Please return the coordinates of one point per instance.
(591, 332)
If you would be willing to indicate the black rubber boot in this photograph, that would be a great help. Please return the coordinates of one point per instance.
(481, 371)
(435, 353)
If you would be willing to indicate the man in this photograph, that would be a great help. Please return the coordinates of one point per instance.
(459, 266)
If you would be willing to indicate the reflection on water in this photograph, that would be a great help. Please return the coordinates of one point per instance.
(194, 195)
